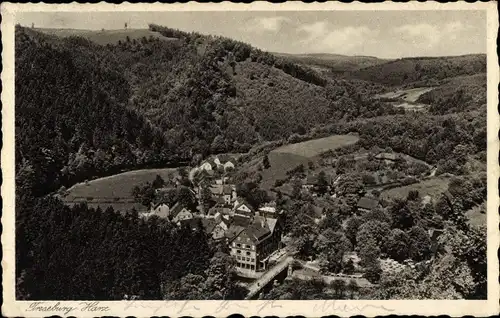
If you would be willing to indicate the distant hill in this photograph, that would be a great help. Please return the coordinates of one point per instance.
(421, 71)
(334, 63)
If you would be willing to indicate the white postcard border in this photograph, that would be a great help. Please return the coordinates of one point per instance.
(11, 307)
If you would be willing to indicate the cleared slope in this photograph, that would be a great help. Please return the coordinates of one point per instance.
(103, 37)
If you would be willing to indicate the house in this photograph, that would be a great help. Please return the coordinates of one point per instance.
(225, 161)
(216, 227)
(226, 192)
(203, 176)
(180, 212)
(208, 165)
(253, 243)
(162, 210)
(230, 164)
(312, 182)
(367, 204)
(222, 180)
(241, 207)
(269, 210)
(387, 157)
(193, 223)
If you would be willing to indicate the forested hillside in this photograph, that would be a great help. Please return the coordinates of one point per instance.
(457, 94)
(98, 109)
(422, 71)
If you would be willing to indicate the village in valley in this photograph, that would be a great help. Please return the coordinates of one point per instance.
(211, 197)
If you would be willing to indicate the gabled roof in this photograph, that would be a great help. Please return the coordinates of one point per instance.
(242, 202)
(367, 203)
(176, 209)
(223, 158)
(258, 229)
(233, 231)
(192, 223)
(158, 204)
(228, 189)
(203, 174)
(240, 220)
(210, 161)
(271, 223)
(209, 225)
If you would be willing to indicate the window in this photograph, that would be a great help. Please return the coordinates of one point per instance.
(252, 267)
(238, 245)
(248, 253)
(238, 251)
(253, 247)
(252, 260)
(234, 244)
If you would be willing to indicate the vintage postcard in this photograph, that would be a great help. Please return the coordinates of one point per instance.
(261, 159)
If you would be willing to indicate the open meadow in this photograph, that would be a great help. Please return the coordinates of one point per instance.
(115, 190)
(285, 158)
(314, 147)
(409, 95)
(432, 187)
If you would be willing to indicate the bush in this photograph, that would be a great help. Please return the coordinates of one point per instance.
(279, 182)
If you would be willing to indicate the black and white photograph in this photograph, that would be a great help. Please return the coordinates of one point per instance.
(250, 155)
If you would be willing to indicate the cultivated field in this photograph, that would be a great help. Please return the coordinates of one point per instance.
(432, 187)
(104, 37)
(290, 156)
(280, 164)
(115, 190)
(312, 148)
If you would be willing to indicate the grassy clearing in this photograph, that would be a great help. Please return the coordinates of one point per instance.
(432, 187)
(114, 191)
(475, 217)
(409, 95)
(117, 186)
(280, 164)
(104, 37)
(288, 157)
(312, 148)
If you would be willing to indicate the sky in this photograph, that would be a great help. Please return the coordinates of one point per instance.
(384, 34)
